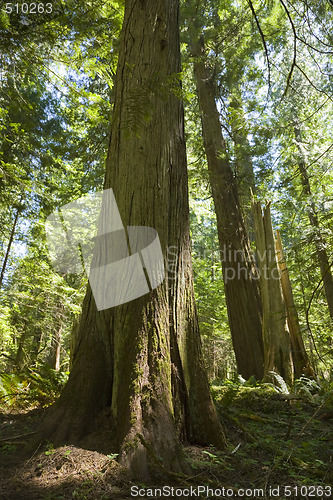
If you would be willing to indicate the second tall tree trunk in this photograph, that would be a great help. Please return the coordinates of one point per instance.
(300, 358)
(239, 270)
(277, 346)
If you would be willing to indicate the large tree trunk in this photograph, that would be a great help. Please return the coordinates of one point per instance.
(300, 358)
(277, 348)
(243, 158)
(239, 270)
(143, 358)
(319, 240)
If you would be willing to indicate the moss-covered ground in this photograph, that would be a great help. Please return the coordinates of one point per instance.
(275, 439)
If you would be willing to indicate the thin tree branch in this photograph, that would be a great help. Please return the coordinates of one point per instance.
(10, 438)
(320, 156)
(263, 41)
(312, 84)
(312, 47)
(315, 111)
(293, 65)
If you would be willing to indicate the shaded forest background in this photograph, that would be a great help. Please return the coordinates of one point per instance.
(256, 85)
(272, 69)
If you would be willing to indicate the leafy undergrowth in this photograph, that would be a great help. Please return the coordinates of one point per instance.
(282, 439)
(274, 438)
(30, 387)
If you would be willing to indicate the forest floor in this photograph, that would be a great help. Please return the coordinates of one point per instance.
(274, 440)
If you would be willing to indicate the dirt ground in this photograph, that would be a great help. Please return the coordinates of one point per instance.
(272, 441)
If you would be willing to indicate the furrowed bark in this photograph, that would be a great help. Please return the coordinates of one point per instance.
(239, 270)
(277, 348)
(143, 358)
(300, 358)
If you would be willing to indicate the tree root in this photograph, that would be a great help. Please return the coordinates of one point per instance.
(11, 438)
(241, 427)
